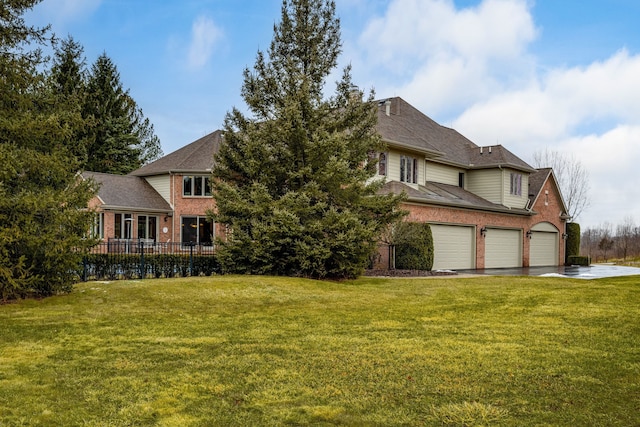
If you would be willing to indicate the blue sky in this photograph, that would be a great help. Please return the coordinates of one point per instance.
(529, 75)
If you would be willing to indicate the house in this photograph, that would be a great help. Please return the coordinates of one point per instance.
(487, 208)
(165, 201)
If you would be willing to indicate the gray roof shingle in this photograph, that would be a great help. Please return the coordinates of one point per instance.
(196, 157)
(446, 195)
(127, 192)
(406, 126)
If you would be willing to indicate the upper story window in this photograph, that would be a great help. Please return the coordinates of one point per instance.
(382, 164)
(408, 169)
(516, 184)
(196, 186)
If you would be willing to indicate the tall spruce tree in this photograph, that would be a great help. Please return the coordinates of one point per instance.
(68, 85)
(43, 215)
(119, 139)
(293, 181)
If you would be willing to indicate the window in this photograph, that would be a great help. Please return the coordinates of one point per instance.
(408, 169)
(461, 179)
(97, 229)
(382, 164)
(123, 226)
(197, 229)
(196, 186)
(516, 184)
(147, 227)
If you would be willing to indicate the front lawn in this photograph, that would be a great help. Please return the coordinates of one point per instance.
(249, 351)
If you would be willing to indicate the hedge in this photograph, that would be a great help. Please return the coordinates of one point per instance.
(414, 246)
(579, 260)
(573, 241)
(130, 266)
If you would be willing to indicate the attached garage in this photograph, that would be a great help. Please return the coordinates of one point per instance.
(503, 248)
(543, 247)
(454, 247)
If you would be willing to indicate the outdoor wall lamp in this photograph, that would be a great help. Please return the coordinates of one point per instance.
(529, 233)
(564, 235)
(483, 231)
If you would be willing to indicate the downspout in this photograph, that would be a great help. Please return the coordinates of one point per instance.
(173, 207)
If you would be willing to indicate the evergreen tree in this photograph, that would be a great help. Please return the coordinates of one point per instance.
(68, 86)
(119, 139)
(43, 215)
(293, 181)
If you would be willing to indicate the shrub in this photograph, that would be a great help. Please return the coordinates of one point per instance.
(414, 246)
(573, 240)
(578, 260)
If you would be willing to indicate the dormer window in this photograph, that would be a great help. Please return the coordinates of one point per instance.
(516, 184)
(408, 169)
(382, 164)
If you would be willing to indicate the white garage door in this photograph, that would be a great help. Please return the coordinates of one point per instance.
(454, 247)
(543, 248)
(503, 248)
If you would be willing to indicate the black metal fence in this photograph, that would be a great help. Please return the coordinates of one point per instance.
(141, 259)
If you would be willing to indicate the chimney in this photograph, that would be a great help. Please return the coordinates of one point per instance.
(387, 105)
(489, 149)
(354, 94)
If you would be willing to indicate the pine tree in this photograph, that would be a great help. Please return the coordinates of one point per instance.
(68, 85)
(120, 139)
(293, 181)
(43, 215)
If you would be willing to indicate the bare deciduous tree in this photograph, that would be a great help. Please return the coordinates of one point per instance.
(625, 232)
(572, 177)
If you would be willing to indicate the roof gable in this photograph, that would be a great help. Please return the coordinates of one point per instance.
(196, 157)
(127, 192)
(401, 124)
(537, 180)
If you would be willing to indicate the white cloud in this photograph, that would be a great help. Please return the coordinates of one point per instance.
(64, 11)
(475, 67)
(444, 57)
(565, 102)
(612, 160)
(204, 36)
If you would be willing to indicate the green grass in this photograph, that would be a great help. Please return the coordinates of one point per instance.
(249, 351)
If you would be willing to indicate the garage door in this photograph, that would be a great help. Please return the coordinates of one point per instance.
(503, 248)
(454, 247)
(544, 245)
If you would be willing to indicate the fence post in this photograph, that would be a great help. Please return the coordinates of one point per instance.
(142, 266)
(84, 268)
(191, 258)
(392, 257)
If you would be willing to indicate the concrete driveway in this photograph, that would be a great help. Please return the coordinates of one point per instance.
(595, 271)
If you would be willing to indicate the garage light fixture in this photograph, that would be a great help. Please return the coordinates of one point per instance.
(483, 231)
(529, 233)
